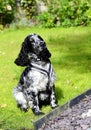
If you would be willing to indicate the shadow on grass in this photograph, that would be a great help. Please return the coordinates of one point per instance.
(80, 63)
(59, 93)
(72, 53)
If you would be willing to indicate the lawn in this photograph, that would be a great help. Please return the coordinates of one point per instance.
(71, 59)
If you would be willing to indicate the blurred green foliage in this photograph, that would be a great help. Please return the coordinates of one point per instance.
(65, 13)
(30, 7)
(7, 9)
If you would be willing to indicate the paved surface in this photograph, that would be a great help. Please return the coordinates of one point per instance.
(76, 118)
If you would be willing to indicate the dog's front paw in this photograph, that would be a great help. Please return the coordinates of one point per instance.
(25, 109)
(54, 106)
(37, 112)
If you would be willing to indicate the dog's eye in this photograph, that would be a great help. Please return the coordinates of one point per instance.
(31, 40)
(42, 42)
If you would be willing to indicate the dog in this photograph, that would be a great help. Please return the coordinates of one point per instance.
(36, 85)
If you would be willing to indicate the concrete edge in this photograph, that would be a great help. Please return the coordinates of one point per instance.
(55, 112)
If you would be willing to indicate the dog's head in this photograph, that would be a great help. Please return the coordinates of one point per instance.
(33, 44)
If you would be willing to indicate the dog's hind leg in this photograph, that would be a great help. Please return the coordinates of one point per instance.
(20, 98)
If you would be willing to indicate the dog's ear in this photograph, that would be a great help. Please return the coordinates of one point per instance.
(23, 59)
(49, 54)
(45, 55)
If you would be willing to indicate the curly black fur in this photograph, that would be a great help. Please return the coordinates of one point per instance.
(36, 84)
(23, 58)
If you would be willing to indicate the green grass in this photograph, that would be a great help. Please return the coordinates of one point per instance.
(71, 59)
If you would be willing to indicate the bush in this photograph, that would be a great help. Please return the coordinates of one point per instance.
(6, 11)
(30, 7)
(46, 19)
(65, 13)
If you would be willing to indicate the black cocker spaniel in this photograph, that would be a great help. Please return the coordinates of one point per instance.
(36, 85)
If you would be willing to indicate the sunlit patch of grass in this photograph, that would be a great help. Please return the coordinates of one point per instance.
(71, 59)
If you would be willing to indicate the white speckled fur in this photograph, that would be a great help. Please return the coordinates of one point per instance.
(37, 80)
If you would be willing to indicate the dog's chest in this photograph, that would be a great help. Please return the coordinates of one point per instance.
(39, 80)
(40, 76)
